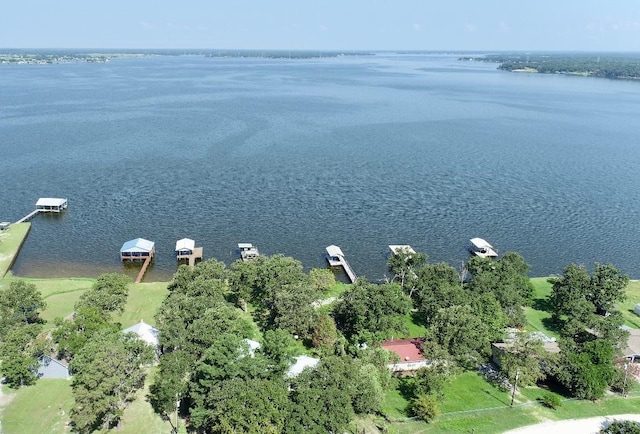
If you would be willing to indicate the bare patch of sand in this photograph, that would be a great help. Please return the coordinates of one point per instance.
(591, 425)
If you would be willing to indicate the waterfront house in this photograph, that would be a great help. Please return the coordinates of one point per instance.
(137, 250)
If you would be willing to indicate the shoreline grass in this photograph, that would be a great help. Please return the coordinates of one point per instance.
(11, 241)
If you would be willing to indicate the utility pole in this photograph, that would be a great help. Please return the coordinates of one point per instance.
(624, 385)
(515, 384)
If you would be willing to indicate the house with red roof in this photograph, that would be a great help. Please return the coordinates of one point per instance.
(409, 351)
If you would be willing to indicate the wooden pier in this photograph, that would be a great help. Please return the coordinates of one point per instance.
(143, 269)
(29, 216)
(336, 258)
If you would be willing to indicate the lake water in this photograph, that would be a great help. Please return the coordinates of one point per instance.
(293, 155)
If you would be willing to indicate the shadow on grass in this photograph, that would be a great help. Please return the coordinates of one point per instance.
(542, 304)
(418, 319)
(551, 325)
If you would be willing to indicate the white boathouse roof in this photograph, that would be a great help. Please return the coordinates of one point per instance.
(185, 244)
(395, 248)
(50, 201)
(137, 245)
(480, 243)
(334, 251)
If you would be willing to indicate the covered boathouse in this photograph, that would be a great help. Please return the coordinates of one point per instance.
(137, 250)
(51, 204)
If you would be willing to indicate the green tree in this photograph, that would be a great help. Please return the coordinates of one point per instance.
(72, 334)
(243, 405)
(291, 309)
(277, 348)
(321, 279)
(404, 266)
(324, 333)
(369, 393)
(425, 407)
(170, 382)
(107, 372)
(369, 312)
(568, 295)
(521, 361)
(507, 280)
(608, 287)
(461, 333)
(109, 293)
(21, 303)
(20, 351)
(438, 286)
(622, 427)
(587, 371)
(322, 398)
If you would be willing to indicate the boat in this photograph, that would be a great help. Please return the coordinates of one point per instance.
(482, 248)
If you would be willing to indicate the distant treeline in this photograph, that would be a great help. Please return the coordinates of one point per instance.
(605, 65)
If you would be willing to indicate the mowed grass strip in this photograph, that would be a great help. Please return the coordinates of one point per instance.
(10, 241)
(41, 408)
(143, 302)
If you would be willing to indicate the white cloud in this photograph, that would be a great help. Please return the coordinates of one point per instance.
(147, 25)
(417, 27)
(503, 26)
(470, 27)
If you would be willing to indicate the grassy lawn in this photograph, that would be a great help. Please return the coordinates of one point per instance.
(626, 307)
(142, 303)
(139, 416)
(10, 241)
(42, 408)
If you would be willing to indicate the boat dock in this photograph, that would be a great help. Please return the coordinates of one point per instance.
(186, 250)
(29, 216)
(248, 251)
(46, 204)
(397, 248)
(336, 258)
(482, 248)
(143, 269)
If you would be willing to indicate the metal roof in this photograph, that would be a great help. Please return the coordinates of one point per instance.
(185, 244)
(137, 245)
(146, 332)
(50, 201)
(333, 250)
(479, 243)
(245, 246)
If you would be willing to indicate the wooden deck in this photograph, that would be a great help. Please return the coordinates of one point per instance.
(191, 259)
(29, 216)
(336, 258)
(143, 269)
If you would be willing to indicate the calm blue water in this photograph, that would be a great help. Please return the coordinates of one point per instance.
(295, 155)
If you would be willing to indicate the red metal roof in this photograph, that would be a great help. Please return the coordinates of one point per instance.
(409, 350)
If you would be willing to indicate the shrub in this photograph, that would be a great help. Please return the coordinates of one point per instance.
(551, 400)
(425, 407)
(622, 427)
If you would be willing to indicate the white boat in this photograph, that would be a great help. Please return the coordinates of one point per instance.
(482, 248)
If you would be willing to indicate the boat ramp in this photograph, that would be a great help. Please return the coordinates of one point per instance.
(336, 258)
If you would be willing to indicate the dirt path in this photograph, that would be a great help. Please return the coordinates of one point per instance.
(590, 425)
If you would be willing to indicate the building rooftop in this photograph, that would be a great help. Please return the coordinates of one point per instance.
(137, 245)
(409, 350)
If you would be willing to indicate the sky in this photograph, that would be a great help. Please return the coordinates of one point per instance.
(464, 25)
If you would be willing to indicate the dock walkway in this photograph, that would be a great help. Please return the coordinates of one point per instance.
(29, 216)
(143, 269)
(336, 258)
